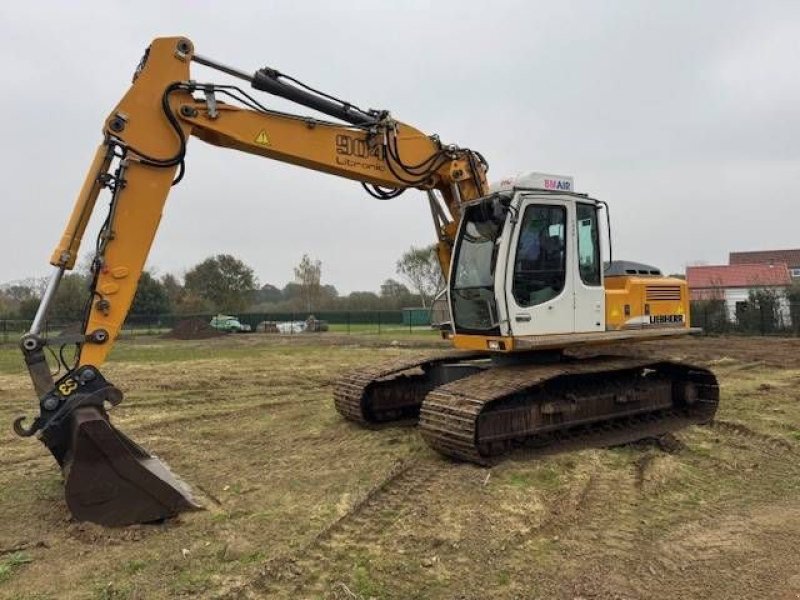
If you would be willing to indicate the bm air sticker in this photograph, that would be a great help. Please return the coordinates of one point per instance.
(262, 139)
(557, 184)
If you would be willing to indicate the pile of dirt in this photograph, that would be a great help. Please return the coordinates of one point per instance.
(193, 329)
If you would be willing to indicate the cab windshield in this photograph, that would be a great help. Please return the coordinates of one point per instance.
(474, 304)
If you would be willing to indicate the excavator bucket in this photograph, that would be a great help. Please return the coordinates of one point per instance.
(108, 478)
(111, 480)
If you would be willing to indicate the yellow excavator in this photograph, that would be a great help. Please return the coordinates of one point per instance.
(527, 284)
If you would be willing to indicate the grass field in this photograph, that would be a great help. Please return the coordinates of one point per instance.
(11, 338)
(300, 504)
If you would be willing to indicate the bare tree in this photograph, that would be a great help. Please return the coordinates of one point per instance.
(420, 268)
(307, 275)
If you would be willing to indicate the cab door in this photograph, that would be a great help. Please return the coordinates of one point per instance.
(590, 313)
(540, 284)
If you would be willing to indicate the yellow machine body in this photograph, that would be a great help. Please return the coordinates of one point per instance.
(642, 302)
(109, 478)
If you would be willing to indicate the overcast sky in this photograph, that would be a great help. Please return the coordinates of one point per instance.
(683, 115)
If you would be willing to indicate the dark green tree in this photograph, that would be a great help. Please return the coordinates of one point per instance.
(761, 313)
(70, 300)
(173, 289)
(396, 295)
(793, 298)
(20, 299)
(363, 301)
(19, 293)
(27, 308)
(292, 295)
(6, 307)
(224, 281)
(328, 297)
(268, 294)
(710, 314)
(151, 297)
(193, 304)
(391, 288)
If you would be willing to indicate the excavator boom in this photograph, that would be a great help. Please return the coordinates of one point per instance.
(108, 478)
(148, 132)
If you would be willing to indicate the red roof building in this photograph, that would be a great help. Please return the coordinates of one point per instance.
(733, 285)
(738, 276)
(769, 257)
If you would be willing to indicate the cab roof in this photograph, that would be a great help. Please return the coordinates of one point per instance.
(535, 180)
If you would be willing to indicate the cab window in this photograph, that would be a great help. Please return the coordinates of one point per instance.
(540, 263)
(588, 244)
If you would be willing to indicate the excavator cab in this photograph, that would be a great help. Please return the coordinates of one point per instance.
(528, 262)
(529, 271)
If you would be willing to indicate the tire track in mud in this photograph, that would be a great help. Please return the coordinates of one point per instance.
(335, 446)
(198, 397)
(619, 533)
(136, 430)
(362, 526)
(29, 459)
(217, 415)
(615, 515)
(743, 431)
(583, 507)
(713, 532)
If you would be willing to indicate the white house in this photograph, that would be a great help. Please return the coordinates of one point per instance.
(733, 284)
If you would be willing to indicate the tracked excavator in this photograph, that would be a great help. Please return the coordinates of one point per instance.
(527, 285)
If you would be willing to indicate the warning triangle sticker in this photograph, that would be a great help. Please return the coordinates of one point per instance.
(262, 139)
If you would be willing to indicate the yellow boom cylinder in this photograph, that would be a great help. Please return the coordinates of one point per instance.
(66, 253)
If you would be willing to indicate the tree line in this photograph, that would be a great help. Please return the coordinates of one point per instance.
(225, 284)
(766, 310)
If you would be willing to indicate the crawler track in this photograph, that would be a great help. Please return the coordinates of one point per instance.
(363, 526)
(618, 399)
(391, 390)
(472, 411)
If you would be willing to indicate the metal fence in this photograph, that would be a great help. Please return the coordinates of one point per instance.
(712, 316)
(12, 329)
(377, 322)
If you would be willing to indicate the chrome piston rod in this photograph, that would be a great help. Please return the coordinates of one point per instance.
(224, 68)
(47, 300)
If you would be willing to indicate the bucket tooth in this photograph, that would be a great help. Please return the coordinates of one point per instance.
(112, 481)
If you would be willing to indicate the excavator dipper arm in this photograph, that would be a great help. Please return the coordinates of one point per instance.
(108, 478)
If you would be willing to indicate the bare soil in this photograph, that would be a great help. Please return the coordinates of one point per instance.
(193, 329)
(301, 504)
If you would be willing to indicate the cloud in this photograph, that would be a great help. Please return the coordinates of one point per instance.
(682, 115)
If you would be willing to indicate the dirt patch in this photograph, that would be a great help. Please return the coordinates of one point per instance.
(301, 504)
(727, 352)
(193, 329)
